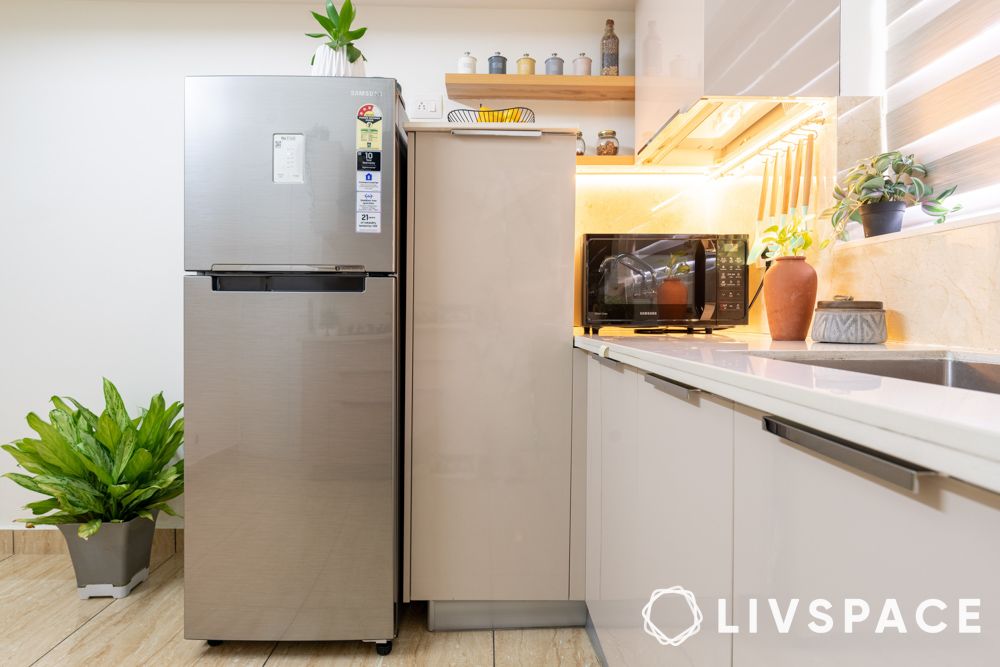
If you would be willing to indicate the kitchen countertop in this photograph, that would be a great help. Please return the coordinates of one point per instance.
(953, 431)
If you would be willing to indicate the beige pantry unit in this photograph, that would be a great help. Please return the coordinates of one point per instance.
(489, 461)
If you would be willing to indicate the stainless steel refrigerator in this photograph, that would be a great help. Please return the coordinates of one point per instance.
(292, 206)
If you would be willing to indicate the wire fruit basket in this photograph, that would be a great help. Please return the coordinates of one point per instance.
(511, 115)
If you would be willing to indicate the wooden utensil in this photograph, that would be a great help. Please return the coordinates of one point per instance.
(786, 182)
(763, 192)
(774, 189)
(810, 154)
(797, 176)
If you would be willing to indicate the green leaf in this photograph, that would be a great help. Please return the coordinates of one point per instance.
(114, 404)
(145, 514)
(108, 432)
(84, 412)
(354, 35)
(123, 453)
(25, 481)
(137, 466)
(49, 520)
(42, 506)
(53, 447)
(86, 530)
(331, 11)
(326, 22)
(347, 15)
(165, 508)
(353, 53)
(316, 35)
(61, 405)
(27, 460)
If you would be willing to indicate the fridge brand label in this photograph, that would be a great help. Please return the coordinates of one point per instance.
(369, 161)
(289, 158)
(369, 127)
(368, 223)
(369, 202)
(369, 181)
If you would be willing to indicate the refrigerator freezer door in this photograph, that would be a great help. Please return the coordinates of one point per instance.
(273, 176)
(290, 457)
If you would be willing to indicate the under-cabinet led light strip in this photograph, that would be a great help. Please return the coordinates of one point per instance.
(809, 120)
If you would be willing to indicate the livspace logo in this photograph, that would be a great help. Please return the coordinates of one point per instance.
(931, 616)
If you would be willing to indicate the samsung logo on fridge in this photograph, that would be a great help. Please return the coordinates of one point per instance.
(366, 93)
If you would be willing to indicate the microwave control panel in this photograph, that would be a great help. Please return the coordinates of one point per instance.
(732, 272)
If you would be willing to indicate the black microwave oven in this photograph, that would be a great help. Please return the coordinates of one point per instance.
(664, 281)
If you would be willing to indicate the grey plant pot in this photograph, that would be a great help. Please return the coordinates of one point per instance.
(884, 217)
(114, 561)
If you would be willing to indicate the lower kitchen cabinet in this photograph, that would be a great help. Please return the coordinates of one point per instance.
(665, 488)
(809, 528)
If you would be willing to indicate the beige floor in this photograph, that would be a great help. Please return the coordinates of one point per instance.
(42, 622)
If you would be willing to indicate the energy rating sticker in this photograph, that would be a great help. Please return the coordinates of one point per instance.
(369, 128)
(368, 223)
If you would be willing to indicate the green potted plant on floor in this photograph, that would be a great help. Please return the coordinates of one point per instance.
(877, 191)
(106, 478)
(790, 285)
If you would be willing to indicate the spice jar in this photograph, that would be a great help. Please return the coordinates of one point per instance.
(609, 50)
(554, 64)
(498, 64)
(467, 64)
(582, 65)
(525, 64)
(845, 320)
(581, 145)
(607, 142)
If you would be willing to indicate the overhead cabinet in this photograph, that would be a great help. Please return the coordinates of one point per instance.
(693, 57)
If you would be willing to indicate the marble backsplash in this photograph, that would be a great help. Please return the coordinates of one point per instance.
(939, 286)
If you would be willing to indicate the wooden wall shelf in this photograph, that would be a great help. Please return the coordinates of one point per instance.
(539, 87)
(605, 160)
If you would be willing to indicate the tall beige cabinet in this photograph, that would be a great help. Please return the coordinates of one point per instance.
(489, 452)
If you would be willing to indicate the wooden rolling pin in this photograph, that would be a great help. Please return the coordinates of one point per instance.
(810, 141)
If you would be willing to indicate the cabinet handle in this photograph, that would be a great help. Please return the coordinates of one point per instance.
(610, 363)
(673, 387)
(526, 134)
(889, 469)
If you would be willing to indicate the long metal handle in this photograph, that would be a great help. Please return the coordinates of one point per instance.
(676, 389)
(887, 468)
(527, 134)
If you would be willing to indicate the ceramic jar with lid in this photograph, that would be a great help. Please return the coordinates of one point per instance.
(607, 142)
(498, 63)
(554, 64)
(525, 64)
(467, 64)
(582, 65)
(581, 145)
(845, 320)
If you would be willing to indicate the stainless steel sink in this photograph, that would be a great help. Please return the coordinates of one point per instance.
(947, 372)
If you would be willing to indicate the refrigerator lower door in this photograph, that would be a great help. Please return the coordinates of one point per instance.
(291, 455)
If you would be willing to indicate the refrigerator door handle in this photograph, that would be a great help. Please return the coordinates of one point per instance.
(289, 282)
(289, 268)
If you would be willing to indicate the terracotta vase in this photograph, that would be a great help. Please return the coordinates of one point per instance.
(672, 292)
(790, 297)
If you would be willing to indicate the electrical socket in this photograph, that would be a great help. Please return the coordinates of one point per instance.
(425, 106)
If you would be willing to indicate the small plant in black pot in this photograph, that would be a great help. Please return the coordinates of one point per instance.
(105, 478)
(877, 192)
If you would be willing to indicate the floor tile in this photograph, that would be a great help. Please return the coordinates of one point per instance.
(569, 647)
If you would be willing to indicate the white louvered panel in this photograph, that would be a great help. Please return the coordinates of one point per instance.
(960, 97)
(963, 21)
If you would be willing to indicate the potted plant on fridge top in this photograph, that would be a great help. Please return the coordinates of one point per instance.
(338, 55)
(877, 191)
(790, 285)
(105, 477)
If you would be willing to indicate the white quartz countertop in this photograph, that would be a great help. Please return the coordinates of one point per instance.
(953, 431)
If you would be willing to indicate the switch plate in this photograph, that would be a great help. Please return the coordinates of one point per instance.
(425, 106)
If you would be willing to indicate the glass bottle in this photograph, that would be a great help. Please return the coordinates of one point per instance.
(607, 142)
(581, 145)
(609, 50)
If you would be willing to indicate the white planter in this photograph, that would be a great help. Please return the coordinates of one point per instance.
(334, 62)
